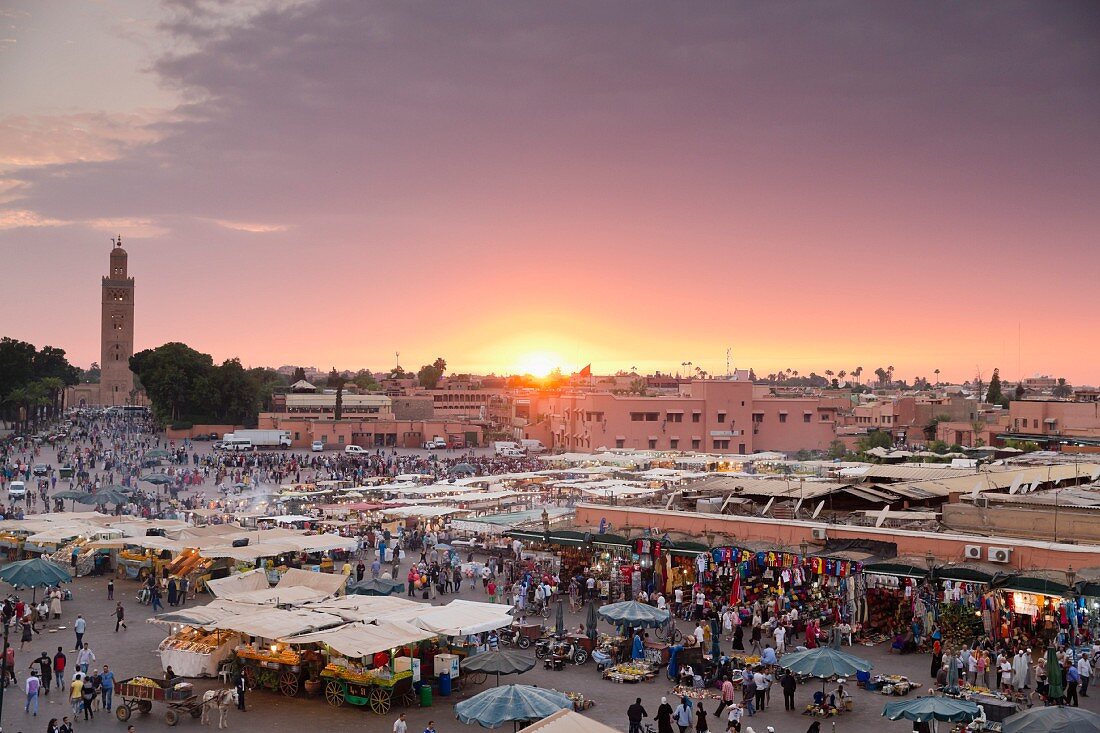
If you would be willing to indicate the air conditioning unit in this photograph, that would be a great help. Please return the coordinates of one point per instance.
(999, 554)
(819, 533)
(973, 552)
(982, 502)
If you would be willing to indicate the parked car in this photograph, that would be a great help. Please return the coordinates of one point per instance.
(41, 469)
(317, 446)
(435, 443)
(356, 450)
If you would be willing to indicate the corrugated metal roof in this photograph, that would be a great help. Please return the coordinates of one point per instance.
(913, 473)
(779, 488)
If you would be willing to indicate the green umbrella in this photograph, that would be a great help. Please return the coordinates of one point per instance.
(1054, 675)
(632, 613)
(825, 662)
(501, 661)
(70, 495)
(559, 619)
(952, 685)
(157, 453)
(1054, 719)
(34, 574)
(590, 622)
(105, 496)
(511, 703)
(924, 709)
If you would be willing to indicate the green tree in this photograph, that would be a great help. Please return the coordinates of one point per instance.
(177, 380)
(365, 381)
(1020, 391)
(994, 396)
(875, 439)
(1062, 390)
(91, 375)
(430, 374)
(938, 446)
(299, 375)
(837, 449)
(336, 381)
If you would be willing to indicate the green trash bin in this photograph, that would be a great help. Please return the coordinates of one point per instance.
(425, 696)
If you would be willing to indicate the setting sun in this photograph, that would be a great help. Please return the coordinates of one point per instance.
(537, 364)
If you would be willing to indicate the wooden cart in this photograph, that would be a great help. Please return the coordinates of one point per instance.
(380, 693)
(281, 671)
(139, 693)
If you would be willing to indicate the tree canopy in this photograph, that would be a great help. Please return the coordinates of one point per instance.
(430, 374)
(184, 385)
(32, 380)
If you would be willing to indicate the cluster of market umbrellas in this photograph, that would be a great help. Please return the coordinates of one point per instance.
(1052, 719)
(113, 494)
(511, 703)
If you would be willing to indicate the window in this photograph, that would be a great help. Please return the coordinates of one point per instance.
(758, 417)
(341, 440)
(1035, 423)
(721, 445)
(721, 417)
(782, 417)
(637, 416)
(741, 448)
(674, 443)
(806, 417)
(652, 443)
(652, 416)
(619, 443)
(297, 436)
(695, 442)
(695, 417)
(675, 417)
(824, 417)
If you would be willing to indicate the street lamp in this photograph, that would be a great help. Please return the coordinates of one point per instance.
(804, 547)
(930, 561)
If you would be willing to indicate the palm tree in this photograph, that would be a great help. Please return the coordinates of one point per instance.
(841, 375)
(54, 388)
(890, 374)
(858, 371)
(937, 373)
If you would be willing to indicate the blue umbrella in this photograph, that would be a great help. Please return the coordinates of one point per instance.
(1053, 719)
(632, 613)
(375, 587)
(511, 703)
(924, 709)
(34, 574)
(158, 478)
(825, 662)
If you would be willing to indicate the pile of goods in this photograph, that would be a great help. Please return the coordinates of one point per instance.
(363, 675)
(693, 693)
(286, 656)
(580, 702)
(144, 682)
(894, 684)
(192, 640)
(635, 671)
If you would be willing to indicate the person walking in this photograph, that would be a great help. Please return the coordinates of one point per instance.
(59, 662)
(399, 725)
(79, 627)
(701, 719)
(1084, 671)
(111, 589)
(45, 671)
(85, 658)
(780, 639)
(789, 685)
(120, 616)
(32, 688)
(1071, 677)
(728, 698)
(88, 696)
(634, 715)
(107, 687)
(682, 715)
(664, 716)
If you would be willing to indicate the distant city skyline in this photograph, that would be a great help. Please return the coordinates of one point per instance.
(509, 185)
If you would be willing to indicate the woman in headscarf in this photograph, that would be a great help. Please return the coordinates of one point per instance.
(664, 717)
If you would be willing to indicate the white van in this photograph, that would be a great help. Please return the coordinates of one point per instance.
(532, 446)
(356, 450)
(230, 442)
(17, 490)
(501, 446)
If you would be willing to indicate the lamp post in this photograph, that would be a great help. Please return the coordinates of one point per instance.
(804, 548)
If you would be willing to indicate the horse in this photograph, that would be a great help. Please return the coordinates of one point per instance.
(221, 699)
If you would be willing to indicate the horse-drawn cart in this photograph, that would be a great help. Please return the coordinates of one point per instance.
(380, 692)
(139, 693)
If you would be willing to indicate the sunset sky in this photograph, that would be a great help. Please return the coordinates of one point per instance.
(812, 185)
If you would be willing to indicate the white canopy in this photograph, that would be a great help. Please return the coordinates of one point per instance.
(461, 618)
(568, 721)
(368, 608)
(235, 585)
(364, 639)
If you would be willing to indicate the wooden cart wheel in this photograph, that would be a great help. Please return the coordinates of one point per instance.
(288, 683)
(334, 693)
(379, 700)
(409, 698)
(145, 706)
(122, 712)
(250, 677)
(196, 712)
(477, 678)
(171, 717)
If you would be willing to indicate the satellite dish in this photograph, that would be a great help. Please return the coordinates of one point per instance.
(818, 510)
(1096, 474)
(1015, 484)
(976, 490)
(798, 505)
(882, 515)
(768, 506)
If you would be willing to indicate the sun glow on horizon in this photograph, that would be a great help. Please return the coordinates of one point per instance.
(537, 363)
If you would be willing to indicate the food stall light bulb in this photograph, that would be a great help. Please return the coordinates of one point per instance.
(274, 648)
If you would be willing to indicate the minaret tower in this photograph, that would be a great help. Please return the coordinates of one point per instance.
(116, 381)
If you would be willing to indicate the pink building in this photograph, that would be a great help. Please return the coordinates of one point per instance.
(716, 416)
(1054, 420)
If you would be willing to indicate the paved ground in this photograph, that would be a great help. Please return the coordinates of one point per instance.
(133, 652)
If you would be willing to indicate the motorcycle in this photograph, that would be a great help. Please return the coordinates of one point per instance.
(515, 637)
(549, 647)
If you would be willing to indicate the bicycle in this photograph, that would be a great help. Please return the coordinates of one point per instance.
(668, 632)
